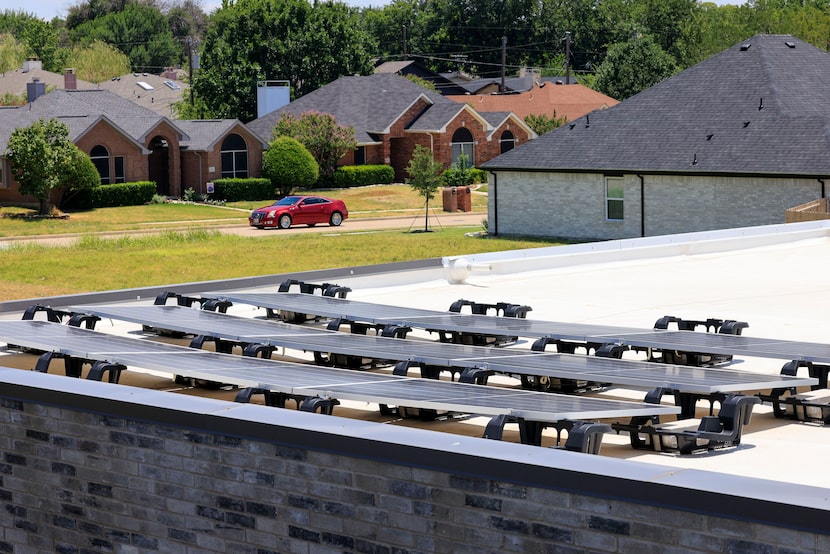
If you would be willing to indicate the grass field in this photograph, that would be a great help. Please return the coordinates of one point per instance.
(201, 253)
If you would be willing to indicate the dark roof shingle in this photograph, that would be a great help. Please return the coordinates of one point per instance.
(760, 110)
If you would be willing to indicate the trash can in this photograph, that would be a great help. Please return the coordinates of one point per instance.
(450, 199)
(464, 199)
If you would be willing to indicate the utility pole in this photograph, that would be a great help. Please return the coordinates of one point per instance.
(503, 87)
(405, 55)
(567, 57)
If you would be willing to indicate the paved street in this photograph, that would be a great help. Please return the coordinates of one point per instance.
(437, 221)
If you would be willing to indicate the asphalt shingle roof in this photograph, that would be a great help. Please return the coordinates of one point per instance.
(369, 104)
(760, 107)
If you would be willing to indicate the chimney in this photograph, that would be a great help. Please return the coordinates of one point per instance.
(70, 80)
(35, 89)
(32, 64)
(169, 73)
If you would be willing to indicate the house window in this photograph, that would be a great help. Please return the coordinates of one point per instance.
(614, 198)
(507, 142)
(100, 157)
(462, 143)
(119, 169)
(234, 157)
(360, 155)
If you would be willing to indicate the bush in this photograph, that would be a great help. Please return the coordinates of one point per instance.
(233, 190)
(362, 175)
(108, 196)
(289, 164)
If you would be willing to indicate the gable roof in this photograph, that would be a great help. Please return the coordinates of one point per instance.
(759, 107)
(569, 101)
(81, 110)
(371, 105)
(205, 133)
(157, 93)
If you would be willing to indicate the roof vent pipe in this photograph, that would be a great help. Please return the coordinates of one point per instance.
(761, 105)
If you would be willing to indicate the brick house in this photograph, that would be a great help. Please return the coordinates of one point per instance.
(733, 141)
(391, 114)
(128, 142)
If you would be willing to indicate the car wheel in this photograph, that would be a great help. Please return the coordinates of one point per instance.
(336, 219)
(285, 221)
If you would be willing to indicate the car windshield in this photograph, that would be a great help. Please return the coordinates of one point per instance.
(287, 201)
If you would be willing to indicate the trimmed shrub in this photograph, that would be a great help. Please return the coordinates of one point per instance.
(362, 175)
(233, 190)
(289, 165)
(108, 196)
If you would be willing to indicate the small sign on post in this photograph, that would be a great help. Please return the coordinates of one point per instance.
(209, 186)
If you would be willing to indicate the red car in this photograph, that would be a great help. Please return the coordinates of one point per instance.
(299, 210)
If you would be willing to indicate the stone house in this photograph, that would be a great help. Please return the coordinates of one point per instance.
(733, 141)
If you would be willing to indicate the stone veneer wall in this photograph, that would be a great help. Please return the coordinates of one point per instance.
(95, 467)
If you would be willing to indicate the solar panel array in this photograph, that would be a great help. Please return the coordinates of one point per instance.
(512, 361)
(689, 341)
(308, 380)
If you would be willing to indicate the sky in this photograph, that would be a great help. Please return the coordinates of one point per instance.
(47, 9)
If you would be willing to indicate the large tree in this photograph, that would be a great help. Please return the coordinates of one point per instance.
(320, 133)
(43, 159)
(99, 62)
(255, 40)
(140, 31)
(633, 66)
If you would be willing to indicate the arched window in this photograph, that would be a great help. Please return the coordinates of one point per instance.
(100, 157)
(462, 143)
(507, 142)
(234, 157)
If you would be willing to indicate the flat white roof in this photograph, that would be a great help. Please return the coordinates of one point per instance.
(773, 278)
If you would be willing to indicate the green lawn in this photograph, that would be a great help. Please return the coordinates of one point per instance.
(376, 201)
(202, 253)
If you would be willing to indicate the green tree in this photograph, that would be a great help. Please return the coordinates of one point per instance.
(42, 159)
(321, 135)
(12, 53)
(424, 177)
(140, 31)
(43, 42)
(543, 123)
(249, 41)
(99, 62)
(288, 164)
(80, 174)
(633, 66)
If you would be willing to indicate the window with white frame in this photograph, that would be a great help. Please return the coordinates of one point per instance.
(614, 198)
(100, 157)
(234, 157)
(462, 143)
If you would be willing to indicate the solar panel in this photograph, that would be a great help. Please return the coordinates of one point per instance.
(690, 341)
(512, 361)
(309, 380)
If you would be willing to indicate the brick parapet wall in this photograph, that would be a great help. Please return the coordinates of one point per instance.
(94, 467)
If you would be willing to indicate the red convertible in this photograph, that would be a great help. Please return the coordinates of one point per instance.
(299, 210)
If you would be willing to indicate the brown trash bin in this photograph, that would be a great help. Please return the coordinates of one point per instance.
(464, 199)
(450, 199)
